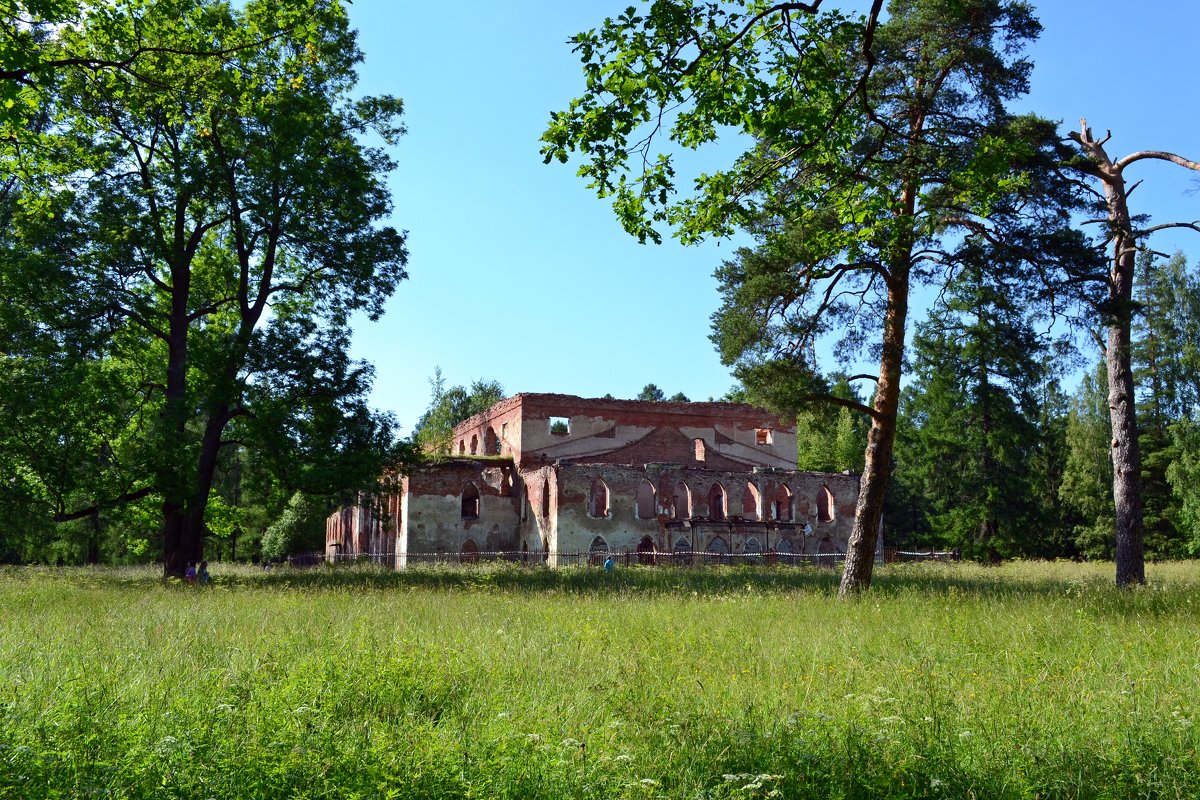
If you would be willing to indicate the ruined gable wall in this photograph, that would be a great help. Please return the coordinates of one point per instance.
(736, 422)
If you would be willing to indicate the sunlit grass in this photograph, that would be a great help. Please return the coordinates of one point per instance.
(1027, 680)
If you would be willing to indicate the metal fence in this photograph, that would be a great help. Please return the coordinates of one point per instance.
(596, 558)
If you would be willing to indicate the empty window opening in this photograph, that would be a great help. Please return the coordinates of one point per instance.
(598, 550)
(718, 546)
(752, 546)
(645, 501)
(491, 443)
(750, 501)
(783, 504)
(598, 499)
(682, 545)
(682, 501)
(470, 551)
(503, 436)
(474, 444)
(762, 436)
(462, 447)
(545, 499)
(505, 484)
(716, 502)
(824, 505)
(700, 449)
(645, 550)
(470, 502)
(560, 426)
(784, 546)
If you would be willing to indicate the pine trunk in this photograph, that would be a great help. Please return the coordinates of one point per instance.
(860, 551)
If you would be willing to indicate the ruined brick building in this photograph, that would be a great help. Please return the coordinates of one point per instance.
(557, 477)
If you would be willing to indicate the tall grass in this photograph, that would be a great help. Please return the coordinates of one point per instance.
(1029, 680)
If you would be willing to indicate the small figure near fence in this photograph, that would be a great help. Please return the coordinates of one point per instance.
(609, 564)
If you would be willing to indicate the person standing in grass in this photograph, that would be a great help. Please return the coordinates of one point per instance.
(190, 574)
(202, 575)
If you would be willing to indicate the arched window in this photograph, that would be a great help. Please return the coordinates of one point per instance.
(750, 501)
(824, 505)
(682, 545)
(645, 500)
(683, 501)
(718, 549)
(598, 499)
(491, 444)
(783, 546)
(716, 502)
(474, 444)
(469, 552)
(505, 484)
(462, 447)
(646, 550)
(598, 550)
(783, 504)
(752, 546)
(470, 502)
(545, 499)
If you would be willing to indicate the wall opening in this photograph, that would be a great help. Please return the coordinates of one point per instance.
(783, 504)
(462, 447)
(505, 484)
(474, 444)
(784, 546)
(645, 501)
(503, 437)
(824, 505)
(682, 545)
(560, 426)
(470, 502)
(598, 551)
(750, 501)
(718, 550)
(645, 551)
(753, 548)
(545, 499)
(763, 436)
(491, 442)
(716, 502)
(700, 454)
(598, 499)
(682, 501)
(470, 552)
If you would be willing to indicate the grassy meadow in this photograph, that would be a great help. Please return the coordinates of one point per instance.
(954, 681)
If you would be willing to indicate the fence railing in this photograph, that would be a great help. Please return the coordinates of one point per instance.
(682, 558)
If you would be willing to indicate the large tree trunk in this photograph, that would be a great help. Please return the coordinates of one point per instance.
(860, 551)
(1126, 456)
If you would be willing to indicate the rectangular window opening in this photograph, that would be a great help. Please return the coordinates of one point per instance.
(560, 426)
(762, 436)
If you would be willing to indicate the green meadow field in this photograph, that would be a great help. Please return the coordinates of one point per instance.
(1022, 681)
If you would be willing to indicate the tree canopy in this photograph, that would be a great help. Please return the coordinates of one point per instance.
(223, 224)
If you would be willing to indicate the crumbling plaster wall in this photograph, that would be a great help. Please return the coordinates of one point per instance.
(433, 519)
(622, 529)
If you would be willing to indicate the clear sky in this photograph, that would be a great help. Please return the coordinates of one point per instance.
(519, 274)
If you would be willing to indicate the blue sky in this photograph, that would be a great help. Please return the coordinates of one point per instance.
(519, 274)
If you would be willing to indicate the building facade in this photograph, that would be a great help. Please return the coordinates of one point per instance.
(562, 478)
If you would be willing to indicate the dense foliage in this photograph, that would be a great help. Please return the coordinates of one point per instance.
(193, 216)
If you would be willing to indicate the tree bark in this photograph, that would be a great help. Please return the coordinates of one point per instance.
(1126, 457)
(860, 550)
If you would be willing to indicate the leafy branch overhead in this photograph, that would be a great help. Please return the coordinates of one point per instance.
(693, 72)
